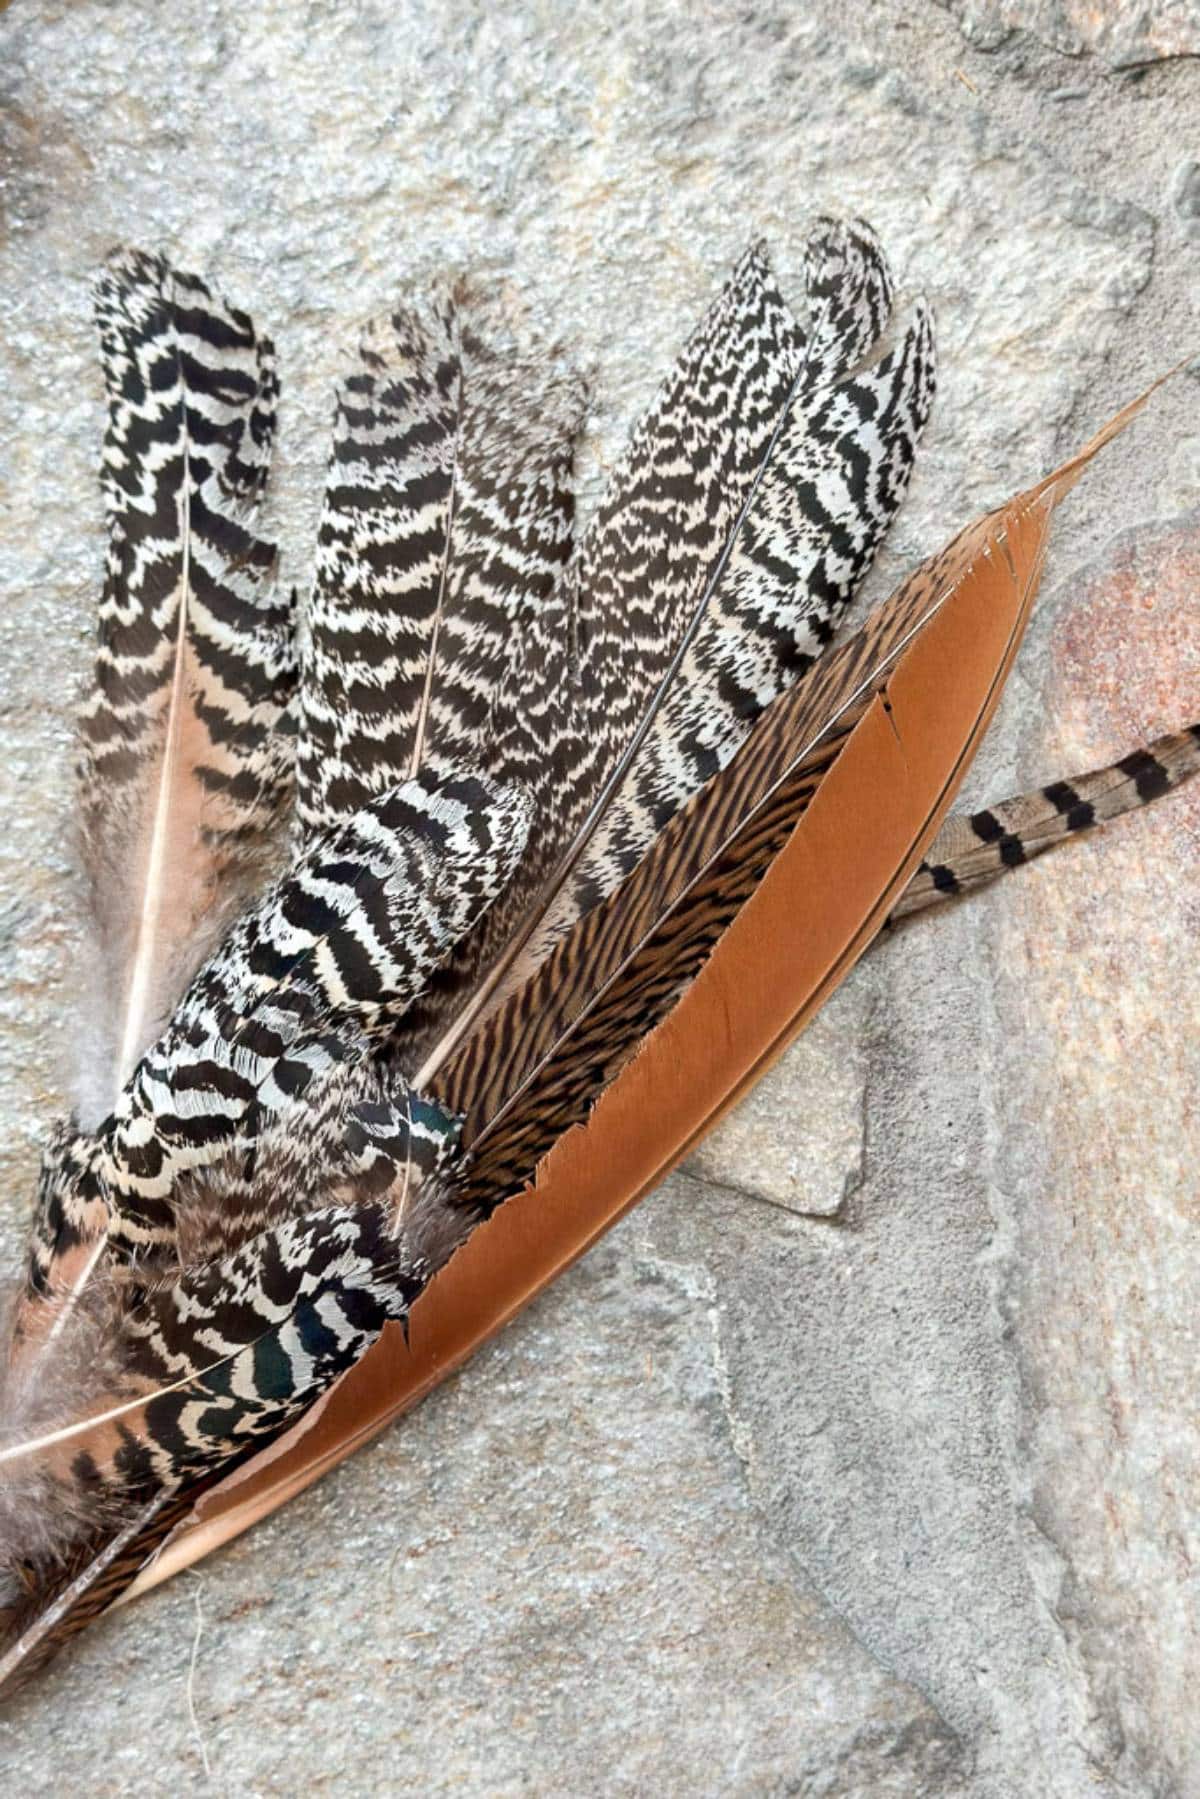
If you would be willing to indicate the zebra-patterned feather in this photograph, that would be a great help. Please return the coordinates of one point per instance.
(213, 1362)
(304, 983)
(183, 769)
(826, 491)
(447, 519)
(748, 506)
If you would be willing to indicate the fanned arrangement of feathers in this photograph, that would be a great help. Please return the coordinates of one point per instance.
(424, 952)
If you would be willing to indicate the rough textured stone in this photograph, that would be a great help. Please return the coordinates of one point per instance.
(1126, 33)
(886, 1486)
(1185, 195)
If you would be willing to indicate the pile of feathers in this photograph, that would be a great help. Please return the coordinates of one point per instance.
(425, 938)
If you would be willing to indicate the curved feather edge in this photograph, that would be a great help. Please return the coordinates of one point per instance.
(184, 764)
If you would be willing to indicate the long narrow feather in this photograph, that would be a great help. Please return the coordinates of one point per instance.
(971, 851)
(182, 768)
(829, 483)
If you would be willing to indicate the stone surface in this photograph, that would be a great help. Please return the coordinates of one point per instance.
(1126, 33)
(1185, 194)
(884, 1486)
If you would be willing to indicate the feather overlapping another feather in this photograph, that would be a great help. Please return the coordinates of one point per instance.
(581, 845)
(183, 767)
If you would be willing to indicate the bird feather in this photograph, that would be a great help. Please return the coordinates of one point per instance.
(183, 766)
(972, 850)
(183, 770)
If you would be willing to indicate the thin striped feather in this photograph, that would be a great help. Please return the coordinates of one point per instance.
(749, 505)
(183, 766)
(972, 850)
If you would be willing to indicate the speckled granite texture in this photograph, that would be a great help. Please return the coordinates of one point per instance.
(862, 1460)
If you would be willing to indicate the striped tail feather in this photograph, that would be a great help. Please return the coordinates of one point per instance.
(447, 520)
(828, 487)
(748, 506)
(972, 850)
(183, 769)
(184, 764)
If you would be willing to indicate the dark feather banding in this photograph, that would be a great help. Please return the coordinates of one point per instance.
(972, 850)
(183, 768)
(828, 485)
(748, 506)
(305, 983)
(447, 519)
(183, 764)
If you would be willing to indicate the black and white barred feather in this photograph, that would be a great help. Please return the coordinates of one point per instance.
(183, 767)
(304, 984)
(447, 519)
(829, 481)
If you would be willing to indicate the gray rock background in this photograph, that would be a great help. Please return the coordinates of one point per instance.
(862, 1460)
